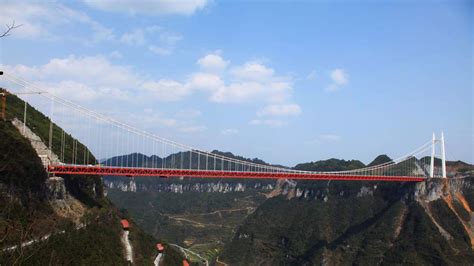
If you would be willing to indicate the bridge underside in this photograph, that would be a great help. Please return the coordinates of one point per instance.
(195, 173)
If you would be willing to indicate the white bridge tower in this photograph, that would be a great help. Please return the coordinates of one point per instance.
(443, 155)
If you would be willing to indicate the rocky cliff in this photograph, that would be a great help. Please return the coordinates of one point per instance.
(339, 223)
(181, 186)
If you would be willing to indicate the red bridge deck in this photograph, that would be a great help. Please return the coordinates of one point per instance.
(134, 171)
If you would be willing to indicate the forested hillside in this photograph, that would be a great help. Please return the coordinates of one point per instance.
(57, 221)
(368, 223)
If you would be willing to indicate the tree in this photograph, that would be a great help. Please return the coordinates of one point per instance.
(9, 29)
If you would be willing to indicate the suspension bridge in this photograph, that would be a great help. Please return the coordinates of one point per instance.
(135, 152)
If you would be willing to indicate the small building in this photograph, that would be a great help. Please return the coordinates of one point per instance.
(185, 262)
(160, 248)
(125, 224)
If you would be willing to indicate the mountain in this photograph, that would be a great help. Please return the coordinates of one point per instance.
(362, 223)
(380, 160)
(178, 160)
(58, 220)
(283, 222)
(330, 165)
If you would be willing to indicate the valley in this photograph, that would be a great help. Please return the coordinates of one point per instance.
(305, 223)
(200, 221)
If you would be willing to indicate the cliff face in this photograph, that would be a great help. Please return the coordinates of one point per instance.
(437, 188)
(360, 222)
(178, 186)
(54, 189)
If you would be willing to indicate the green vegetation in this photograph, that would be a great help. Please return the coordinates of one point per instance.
(96, 244)
(87, 189)
(172, 257)
(143, 244)
(380, 160)
(22, 198)
(20, 168)
(40, 125)
(347, 227)
(26, 213)
(420, 243)
(330, 165)
(201, 221)
(180, 160)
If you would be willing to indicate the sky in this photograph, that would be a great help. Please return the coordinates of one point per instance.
(284, 81)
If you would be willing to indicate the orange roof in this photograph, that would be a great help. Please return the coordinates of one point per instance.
(160, 247)
(185, 263)
(124, 223)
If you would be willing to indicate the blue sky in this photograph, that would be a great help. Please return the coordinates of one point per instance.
(284, 81)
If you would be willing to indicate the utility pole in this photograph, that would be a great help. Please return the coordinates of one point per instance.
(433, 146)
(4, 104)
(443, 156)
(3, 93)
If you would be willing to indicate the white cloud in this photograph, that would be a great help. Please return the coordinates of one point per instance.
(167, 90)
(339, 76)
(96, 82)
(271, 90)
(159, 50)
(268, 122)
(253, 71)
(96, 78)
(99, 72)
(95, 71)
(280, 110)
(193, 129)
(230, 131)
(51, 21)
(150, 120)
(250, 82)
(188, 113)
(159, 41)
(169, 38)
(156, 7)
(238, 92)
(206, 81)
(81, 92)
(135, 37)
(212, 61)
(115, 55)
(252, 91)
